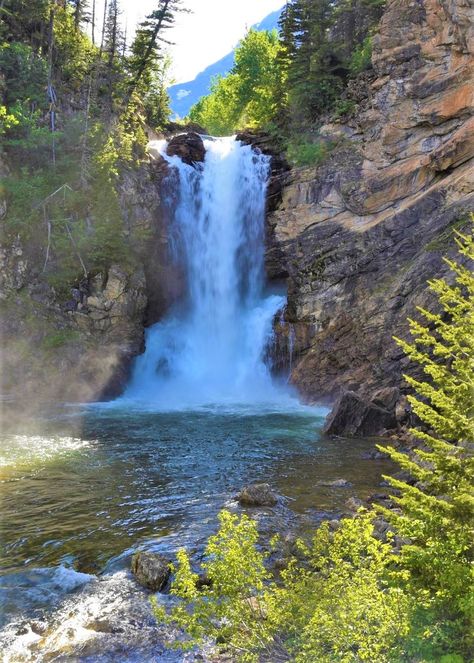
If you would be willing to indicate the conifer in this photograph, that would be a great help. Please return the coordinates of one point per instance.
(436, 508)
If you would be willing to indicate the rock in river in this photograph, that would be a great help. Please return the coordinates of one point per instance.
(257, 494)
(151, 570)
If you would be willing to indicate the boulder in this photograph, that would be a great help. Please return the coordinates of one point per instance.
(257, 494)
(353, 504)
(188, 147)
(151, 570)
(354, 416)
(338, 483)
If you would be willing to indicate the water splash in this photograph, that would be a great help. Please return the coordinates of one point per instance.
(210, 350)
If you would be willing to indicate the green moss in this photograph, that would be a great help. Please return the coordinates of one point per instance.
(59, 338)
(445, 238)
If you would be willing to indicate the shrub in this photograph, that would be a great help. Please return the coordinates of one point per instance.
(301, 152)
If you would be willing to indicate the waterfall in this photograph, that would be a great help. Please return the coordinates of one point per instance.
(210, 349)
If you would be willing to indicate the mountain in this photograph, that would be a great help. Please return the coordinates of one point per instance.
(184, 95)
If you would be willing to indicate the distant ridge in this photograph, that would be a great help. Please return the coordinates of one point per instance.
(184, 95)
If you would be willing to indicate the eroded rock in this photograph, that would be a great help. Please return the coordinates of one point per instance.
(353, 416)
(257, 494)
(359, 235)
(151, 570)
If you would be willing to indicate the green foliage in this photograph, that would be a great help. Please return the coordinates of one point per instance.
(349, 597)
(344, 107)
(7, 120)
(99, 131)
(286, 84)
(24, 73)
(343, 604)
(249, 95)
(73, 53)
(59, 338)
(301, 152)
(339, 605)
(361, 57)
(218, 111)
(228, 608)
(437, 513)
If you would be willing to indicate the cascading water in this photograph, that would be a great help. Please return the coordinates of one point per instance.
(210, 350)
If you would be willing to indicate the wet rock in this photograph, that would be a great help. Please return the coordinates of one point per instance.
(188, 147)
(354, 416)
(353, 504)
(151, 570)
(338, 483)
(373, 455)
(257, 494)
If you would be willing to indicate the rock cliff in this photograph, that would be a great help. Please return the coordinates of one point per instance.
(358, 236)
(77, 345)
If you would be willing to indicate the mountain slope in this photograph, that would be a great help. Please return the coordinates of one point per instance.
(184, 95)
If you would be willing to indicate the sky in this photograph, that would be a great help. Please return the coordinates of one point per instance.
(208, 33)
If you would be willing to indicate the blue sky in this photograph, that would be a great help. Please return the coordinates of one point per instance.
(208, 33)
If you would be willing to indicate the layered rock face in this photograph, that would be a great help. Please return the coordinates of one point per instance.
(359, 236)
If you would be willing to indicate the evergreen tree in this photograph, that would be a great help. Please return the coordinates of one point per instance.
(146, 47)
(437, 512)
(81, 12)
(112, 49)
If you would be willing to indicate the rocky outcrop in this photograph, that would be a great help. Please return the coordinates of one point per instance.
(360, 235)
(80, 350)
(189, 147)
(354, 416)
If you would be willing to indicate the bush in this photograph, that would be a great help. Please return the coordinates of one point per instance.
(339, 605)
(301, 152)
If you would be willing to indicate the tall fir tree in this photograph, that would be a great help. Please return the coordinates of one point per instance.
(147, 45)
(437, 507)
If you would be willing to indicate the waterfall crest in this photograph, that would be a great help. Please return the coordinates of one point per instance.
(210, 349)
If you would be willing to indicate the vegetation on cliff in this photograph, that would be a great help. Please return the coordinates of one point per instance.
(73, 116)
(348, 596)
(286, 83)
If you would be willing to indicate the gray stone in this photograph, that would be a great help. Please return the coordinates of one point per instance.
(151, 570)
(189, 147)
(354, 416)
(257, 494)
(338, 483)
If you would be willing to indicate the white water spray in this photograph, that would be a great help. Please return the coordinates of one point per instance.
(211, 350)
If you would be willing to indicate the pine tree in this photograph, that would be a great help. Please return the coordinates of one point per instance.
(81, 12)
(148, 40)
(436, 514)
(112, 47)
